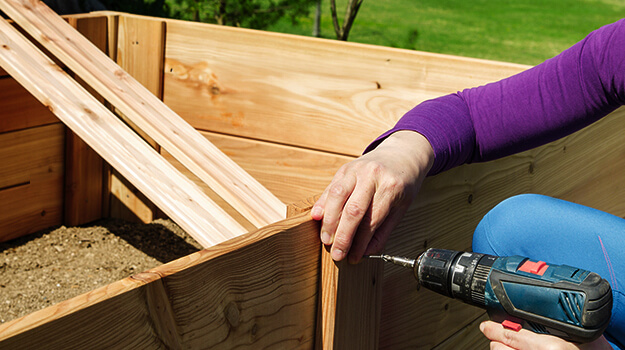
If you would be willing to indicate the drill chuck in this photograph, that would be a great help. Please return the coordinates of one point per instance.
(455, 274)
(561, 300)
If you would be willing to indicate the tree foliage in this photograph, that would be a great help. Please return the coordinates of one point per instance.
(257, 14)
(156, 8)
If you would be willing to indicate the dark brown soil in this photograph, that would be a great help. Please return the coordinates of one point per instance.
(53, 265)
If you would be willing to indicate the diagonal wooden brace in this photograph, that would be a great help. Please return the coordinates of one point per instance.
(176, 195)
(141, 107)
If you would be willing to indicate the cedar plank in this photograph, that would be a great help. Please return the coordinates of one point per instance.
(20, 110)
(31, 180)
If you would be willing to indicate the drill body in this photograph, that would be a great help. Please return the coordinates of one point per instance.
(571, 303)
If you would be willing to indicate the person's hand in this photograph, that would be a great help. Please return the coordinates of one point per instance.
(505, 339)
(368, 196)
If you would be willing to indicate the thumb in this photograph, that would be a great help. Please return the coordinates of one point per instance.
(522, 339)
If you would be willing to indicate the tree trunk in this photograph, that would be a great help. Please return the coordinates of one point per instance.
(317, 25)
(342, 32)
(220, 17)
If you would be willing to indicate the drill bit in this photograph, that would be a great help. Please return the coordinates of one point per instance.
(397, 260)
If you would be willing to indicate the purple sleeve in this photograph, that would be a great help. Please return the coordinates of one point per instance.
(561, 95)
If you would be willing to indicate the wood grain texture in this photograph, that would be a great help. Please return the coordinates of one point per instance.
(308, 92)
(577, 168)
(290, 173)
(84, 168)
(147, 112)
(209, 299)
(301, 206)
(467, 337)
(450, 205)
(126, 202)
(20, 110)
(31, 180)
(116, 143)
(349, 298)
(349, 304)
(84, 175)
(139, 51)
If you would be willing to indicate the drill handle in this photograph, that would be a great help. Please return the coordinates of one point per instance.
(571, 303)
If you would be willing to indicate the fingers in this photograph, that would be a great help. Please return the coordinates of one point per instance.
(317, 210)
(365, 192)
(364, 234)
(352, 215)
(380, 207)
(383, 232)
(502, 338)
(354, 205)
(337, 196)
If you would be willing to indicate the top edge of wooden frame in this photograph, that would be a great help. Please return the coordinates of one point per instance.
(331, 42)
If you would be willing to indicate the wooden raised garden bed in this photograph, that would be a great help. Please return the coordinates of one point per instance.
(290, 111)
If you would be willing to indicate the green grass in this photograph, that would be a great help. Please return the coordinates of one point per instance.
(521, 31)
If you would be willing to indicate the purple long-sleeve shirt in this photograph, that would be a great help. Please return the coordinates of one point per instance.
(561, 95)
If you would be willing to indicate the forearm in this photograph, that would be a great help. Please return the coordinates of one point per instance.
(544, 103)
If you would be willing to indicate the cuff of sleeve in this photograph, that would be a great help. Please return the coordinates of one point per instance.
(446, 123)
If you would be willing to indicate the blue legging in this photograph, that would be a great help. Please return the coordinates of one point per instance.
(561, 232)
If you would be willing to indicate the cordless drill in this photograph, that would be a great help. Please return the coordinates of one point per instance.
(571, 303)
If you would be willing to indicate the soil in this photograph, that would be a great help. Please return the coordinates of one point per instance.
(53, 265)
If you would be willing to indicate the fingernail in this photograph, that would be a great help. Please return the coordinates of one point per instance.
(482, 326)
(316, 212)
(337, 254)
(325, 237)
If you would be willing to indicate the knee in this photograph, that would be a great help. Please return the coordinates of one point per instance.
(502, 226)
(517, 206)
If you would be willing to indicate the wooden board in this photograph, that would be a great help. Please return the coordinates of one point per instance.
(147, 112)
(139, 51)
(116, 143)
(444, 215)
(450, 205)
(20, 110)
(255, 291)
(126, 202)
(84, 187)
(349, 304)
(84, 168)
(31, 180)
(290, 173)
(308, 92)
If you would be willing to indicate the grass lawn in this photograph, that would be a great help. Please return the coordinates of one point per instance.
(521, 31)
